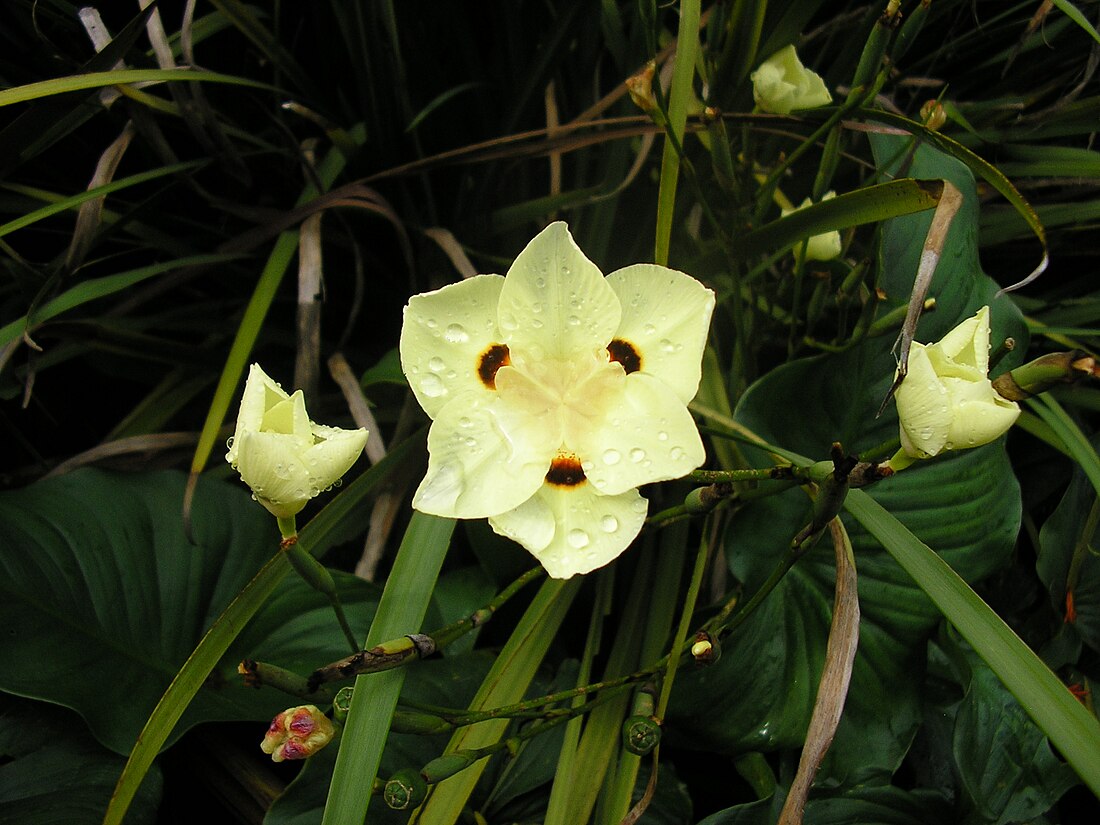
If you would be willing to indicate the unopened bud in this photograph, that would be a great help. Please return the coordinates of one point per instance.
(341, 703)
(932, 115)
(641, 734)
(1043, 373)
(405, 789)
(640, 87)
(705, 650)
(297, 733)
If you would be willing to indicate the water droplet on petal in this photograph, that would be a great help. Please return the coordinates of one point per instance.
(456, 334)
(611, 457)
(609, 524)
(471, 442)
(667, 346)
(436, 364)
(639, 505)
(540, 282)
(676, 453)
(637, 455)
(577, 539)
(573, 321)
(662, 436)
(431, 323)
(465, 422)
(432, 386)
(649, 329)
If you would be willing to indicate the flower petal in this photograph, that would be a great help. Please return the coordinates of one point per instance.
(924, 407)
(443, 337)
(666, 317)
(574, 530)
(270, 464)
(648, 435)
(966, 348)
(555, 303)
(260, 393)
(980, 414)
(483, 459)
(332, 456)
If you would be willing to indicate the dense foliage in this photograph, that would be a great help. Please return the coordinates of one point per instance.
(191, 187)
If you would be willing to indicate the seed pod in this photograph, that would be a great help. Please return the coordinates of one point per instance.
(405, 789)
(341, 703)
(641, 734)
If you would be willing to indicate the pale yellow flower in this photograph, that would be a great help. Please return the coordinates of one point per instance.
(782, 84)
(555, 394)
(283, 456)
(946, 401)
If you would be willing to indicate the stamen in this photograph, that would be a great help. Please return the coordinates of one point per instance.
(495, 357)
(565, 471)
(626, 354)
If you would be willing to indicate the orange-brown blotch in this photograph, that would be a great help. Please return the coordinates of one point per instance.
(495, 357)
(626, 354)
(565, 471)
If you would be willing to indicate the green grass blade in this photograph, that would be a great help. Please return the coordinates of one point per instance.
(96, 192)
(868, 205)
(95, 80)
(1065, 428)
(1073, 13)
(681, 94)
(401, 611)
(95, 288)
(1071, 728)
(316, 538)
(505, 684)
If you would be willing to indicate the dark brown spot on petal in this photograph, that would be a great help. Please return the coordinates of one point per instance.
(495, 357)
(626, 354)
(565, 471)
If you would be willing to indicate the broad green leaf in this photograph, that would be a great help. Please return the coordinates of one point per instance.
(52, 772)
(867, 205)
(1001, 757)
(1066, 535)
(883, 806)
(97, 569)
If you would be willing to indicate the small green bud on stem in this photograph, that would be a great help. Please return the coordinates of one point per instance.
(405, 790)
(1045, 372)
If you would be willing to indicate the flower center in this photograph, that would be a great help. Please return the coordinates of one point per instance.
(626, 354)
(495, 357)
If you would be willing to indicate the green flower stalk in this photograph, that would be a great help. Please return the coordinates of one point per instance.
(287, 459)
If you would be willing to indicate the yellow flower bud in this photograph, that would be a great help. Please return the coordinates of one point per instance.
(822, 247)
(283, 456)
(946, 401)
(782, 84)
